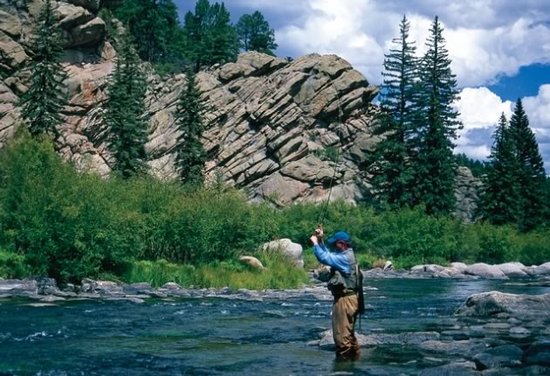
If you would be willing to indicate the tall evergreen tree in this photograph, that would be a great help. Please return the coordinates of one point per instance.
(125, 114)
(209, 36)
(531, 175)
(44, 100)
(255, 34)
(391, 167)
(499, 200)
(436, 166)
(190, 153)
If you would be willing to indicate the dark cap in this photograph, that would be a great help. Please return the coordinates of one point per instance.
(340, 236)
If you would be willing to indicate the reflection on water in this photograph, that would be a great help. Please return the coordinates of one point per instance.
(216, 336)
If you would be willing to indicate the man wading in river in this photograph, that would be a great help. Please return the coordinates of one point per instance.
(345, 284)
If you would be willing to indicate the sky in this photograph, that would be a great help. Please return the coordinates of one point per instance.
(499, 50)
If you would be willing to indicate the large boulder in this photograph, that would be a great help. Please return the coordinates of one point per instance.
(485, 271)
(495, 302)
(288, 248)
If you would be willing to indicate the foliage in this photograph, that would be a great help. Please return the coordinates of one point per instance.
(209, 36)
(435, 164)
(42, 103)
(190, 153)
(515, 184)
(391, 160)
(530, 173)
(255, 34)
(477, 167)
(125, 113)
(278, 274)
(55, 217)
(154, 26)
(13, 265)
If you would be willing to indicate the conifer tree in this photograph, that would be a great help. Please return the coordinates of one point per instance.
(209, 36)
(391, 167)
(499, 200)
(43, 101)
(530, 175)
(155, 28)
(125, 114)
(190, 153)
(435, 164)
(255, 34)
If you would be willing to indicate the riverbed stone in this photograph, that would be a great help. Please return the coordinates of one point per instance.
(498, 357)
(538, 353)
(485, 271)
(460, 368)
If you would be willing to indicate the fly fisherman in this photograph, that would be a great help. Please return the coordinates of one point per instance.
(345, 284)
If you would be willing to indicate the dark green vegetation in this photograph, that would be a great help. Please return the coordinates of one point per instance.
(205, 36)
(42, 102)
(414, 164)
(516, 187)
(68, 225)
(125, 114)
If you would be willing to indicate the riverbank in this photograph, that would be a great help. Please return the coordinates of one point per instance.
(46, 290)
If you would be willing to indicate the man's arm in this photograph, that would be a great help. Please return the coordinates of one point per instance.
(336, 260)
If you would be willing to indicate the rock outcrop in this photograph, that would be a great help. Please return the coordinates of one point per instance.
(287, 131)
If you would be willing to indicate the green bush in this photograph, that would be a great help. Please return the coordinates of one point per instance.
(12, 265)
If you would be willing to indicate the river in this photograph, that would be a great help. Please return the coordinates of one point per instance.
(225, 336)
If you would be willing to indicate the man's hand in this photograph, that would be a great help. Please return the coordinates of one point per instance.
(317, 237)
(314, 239)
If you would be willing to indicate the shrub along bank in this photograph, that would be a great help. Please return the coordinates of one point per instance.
(66, 224)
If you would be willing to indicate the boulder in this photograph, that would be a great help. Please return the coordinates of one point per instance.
(485, 271)
(513, 269)
(495, 302)
(288, 248)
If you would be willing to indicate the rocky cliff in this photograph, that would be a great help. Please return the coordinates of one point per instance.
(284, 130)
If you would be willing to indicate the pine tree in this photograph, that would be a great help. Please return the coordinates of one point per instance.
(530, 175)
(499, 200)
(435, 164)
(125, 113)
(155, 28)
(44, 100)
(255, 34)
(391, 167)
(190, 153)
(209, 36)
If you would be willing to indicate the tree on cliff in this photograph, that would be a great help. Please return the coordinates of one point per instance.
(530, 174)
(209, 36)
(499, 200)
(391, 163)
(255, 34)
(435, 165)
(190, 153)
(42, 103)
(125, 114)
(155, 28)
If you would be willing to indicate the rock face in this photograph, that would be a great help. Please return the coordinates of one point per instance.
(287, 131)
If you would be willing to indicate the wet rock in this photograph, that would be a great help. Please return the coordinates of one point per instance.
(16, 287)
(485, 271)
(499, 357)
(452, 369)
(538, 353)
(494, 302)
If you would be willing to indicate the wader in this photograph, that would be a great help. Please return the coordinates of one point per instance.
(345, 309)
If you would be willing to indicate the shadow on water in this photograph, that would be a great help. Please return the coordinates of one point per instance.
(220, 336)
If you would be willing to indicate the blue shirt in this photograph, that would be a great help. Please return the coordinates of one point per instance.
(338, 260)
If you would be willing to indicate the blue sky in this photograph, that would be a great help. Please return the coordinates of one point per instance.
(500, 50)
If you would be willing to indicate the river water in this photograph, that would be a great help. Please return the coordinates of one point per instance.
(225, 336)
